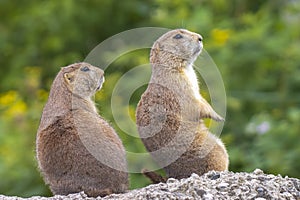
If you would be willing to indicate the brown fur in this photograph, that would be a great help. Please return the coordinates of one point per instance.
(70, 129)
(169, 114)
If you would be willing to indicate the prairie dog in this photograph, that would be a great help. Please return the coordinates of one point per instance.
(170, 112)
(69, 128)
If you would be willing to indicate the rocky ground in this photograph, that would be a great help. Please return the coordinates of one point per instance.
(213, 185)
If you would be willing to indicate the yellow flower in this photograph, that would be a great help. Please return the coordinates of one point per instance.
(220, 36)
(12, 104)
(8, 98)
(17, 109)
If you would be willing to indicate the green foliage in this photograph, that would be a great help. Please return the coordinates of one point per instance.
(255, 44)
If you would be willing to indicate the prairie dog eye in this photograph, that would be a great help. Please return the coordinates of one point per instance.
(178, 36)
(85, 69)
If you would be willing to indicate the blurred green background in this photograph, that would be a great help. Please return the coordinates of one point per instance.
(255, 45)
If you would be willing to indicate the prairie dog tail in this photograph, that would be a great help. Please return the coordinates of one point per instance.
(153, 176)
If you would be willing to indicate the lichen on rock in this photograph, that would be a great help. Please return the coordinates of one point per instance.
(212, 185)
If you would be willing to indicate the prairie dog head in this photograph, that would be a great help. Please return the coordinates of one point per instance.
(83, 79)
(179, 44)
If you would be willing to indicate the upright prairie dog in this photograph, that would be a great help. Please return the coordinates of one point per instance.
(76, 149)
(170, 112)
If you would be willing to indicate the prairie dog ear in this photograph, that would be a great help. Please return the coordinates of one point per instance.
(157, 46)
(69, 77)
(154, 51)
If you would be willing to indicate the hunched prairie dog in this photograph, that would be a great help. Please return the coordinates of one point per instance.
(70, 128)
(170, 112)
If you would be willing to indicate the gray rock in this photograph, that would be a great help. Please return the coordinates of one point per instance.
(212, 185)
